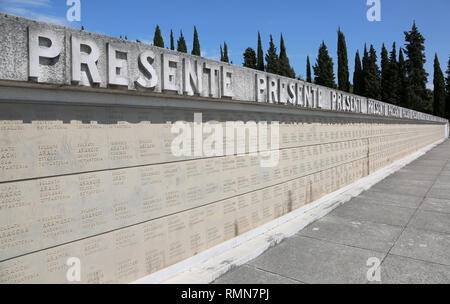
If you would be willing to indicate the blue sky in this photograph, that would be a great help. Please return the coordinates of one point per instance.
(304, 24)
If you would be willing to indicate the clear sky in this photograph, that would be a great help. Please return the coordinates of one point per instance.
(304, 24)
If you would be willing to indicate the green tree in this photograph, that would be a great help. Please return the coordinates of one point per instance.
(250, 58)
(224, 53)
(221, 53)
(272, 60)
(172, 43)
(385, 74)
(196, 45)
(417, 76)
(323, 69)
(439, 90)
(308, 70)
(285, 68)
(343, 73)
(403, 91)
(447, 103)
(357, 76)
(371, 72)
(260, 55)
(393, 82)
(158, 39)
(181, 44)
(365, 70)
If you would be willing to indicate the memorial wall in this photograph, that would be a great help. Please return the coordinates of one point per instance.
(132, 158)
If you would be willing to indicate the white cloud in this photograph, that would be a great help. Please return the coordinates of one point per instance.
(37, 16)
(27, 8)
(26, 3)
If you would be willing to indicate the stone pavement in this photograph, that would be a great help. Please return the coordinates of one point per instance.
(404, 221)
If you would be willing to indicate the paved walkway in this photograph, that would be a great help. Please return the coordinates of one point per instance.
(404, 221)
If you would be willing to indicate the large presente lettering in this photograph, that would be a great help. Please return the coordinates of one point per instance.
(135, 66)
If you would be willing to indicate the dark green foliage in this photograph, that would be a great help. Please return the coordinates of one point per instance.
(272, 60)
(371, 74)
(196, 45)
(417, 76)
(323, 69)
(285, 68)
(221, 53)
(392, 86)
(308, 70)
(250, 58)
(403, 90)
(82, 27)
(384, 74)
(439, 90)
(343, 73)
(181, 44)
(172, 43)
(365, 69)
(225, 53)
(260, 55)
(447, 103)
(357, 76)
(158, 39)
(428, 106)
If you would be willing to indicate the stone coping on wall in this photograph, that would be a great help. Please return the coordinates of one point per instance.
(38, 54)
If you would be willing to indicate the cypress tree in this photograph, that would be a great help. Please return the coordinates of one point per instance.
(371, 72)
(272, 60)
(221, 53)
(385, 74)
(181, 44)
(439, 89)
(447, 103)
(417, 76)
(403, 91)
(365, 71)
(196, 45)
(225, 53)
(172, 43)
(285, 66)
(357, 76)
(392, 85)
(308, 70)
(260, 56)
(250, 58)
(158, 39)
(323, 69)
(343, 73)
